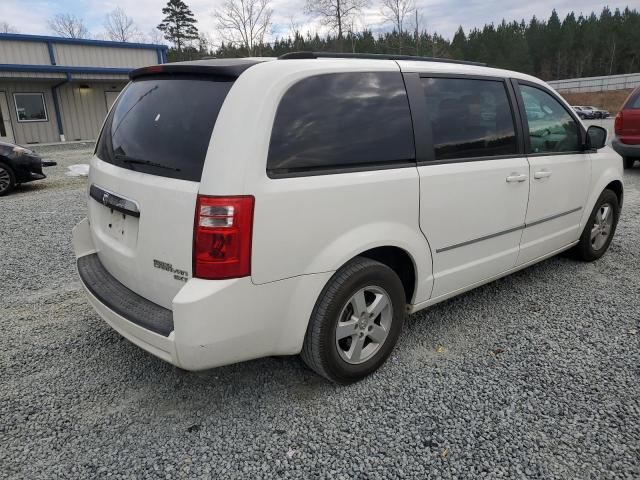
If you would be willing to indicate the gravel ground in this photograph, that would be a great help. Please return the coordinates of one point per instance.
(534, 376)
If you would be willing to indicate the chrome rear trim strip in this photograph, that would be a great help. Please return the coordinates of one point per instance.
(111, 200)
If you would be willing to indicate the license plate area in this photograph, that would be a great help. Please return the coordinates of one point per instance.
(114, 218)
(121, 227)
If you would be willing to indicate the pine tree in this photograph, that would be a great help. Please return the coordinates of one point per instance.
(458, 45)
(178, 24)
(577, 46)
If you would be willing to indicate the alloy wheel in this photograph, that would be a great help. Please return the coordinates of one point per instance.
(602, 225)
(364, 323)
(5, 180)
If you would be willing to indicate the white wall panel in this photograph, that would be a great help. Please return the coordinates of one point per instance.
(97, 56)
(597, 84)
(24, 53)
(84, 109)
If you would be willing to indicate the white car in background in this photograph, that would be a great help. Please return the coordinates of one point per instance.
(597, 112)
(307, 204)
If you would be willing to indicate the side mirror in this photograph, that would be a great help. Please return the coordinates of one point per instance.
(596, 137)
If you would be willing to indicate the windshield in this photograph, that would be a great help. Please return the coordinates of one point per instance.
(162, 125)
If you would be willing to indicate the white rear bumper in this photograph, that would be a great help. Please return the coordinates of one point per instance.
(220, 322)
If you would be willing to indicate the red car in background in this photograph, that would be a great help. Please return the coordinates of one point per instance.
(627, 129)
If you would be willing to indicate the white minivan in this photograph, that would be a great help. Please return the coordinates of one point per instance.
(305, 205)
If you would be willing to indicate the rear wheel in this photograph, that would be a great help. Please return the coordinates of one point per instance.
(7, 179)
(628, 162)
(600, 228)
(356, 321)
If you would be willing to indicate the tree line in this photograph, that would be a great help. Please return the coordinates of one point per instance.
(576, 46)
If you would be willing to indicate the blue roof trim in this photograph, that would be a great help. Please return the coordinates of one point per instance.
(10, 67)
(80, 41)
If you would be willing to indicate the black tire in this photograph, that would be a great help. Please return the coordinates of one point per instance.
(628, 162)
(5, 170)
(585, 250)
(321, 350)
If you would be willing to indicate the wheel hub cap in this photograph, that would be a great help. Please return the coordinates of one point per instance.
(363, 324)
(602, 226)
(5, 179)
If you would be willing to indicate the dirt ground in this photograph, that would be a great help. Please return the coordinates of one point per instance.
(611, 100)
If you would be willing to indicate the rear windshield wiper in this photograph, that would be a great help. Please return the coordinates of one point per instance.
(137, 161)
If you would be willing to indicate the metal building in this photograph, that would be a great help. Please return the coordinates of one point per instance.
(59, 89)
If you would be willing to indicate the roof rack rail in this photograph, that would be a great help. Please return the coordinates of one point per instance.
(373, 56)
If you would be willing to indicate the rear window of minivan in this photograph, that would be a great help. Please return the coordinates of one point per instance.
(334, 122)
(162, 125)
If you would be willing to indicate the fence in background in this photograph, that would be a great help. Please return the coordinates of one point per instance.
(597, 84)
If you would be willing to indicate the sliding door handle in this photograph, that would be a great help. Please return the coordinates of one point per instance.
(542, 174)
(516, 178)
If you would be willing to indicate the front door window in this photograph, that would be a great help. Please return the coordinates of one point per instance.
(551, 128)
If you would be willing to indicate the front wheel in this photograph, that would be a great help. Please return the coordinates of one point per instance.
(356, 321)
(7, 179)
(600, 228)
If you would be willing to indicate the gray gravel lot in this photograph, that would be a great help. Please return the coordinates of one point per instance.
(560, 399)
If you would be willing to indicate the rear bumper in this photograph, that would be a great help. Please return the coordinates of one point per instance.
(625, 149)
(212, 323)
(119, 299)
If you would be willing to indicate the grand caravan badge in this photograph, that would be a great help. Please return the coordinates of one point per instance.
(180, 275)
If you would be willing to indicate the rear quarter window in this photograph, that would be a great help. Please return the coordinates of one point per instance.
(162, 125)
(340, 121)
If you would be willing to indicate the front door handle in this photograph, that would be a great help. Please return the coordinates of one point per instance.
(514, 177)
(542, 174)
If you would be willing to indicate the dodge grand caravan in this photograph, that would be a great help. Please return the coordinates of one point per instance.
(306, 204)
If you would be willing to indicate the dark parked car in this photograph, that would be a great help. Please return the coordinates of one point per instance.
(19, 165)
(583, 113)
(627, 130)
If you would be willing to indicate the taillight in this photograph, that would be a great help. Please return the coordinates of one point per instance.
(617, 124)
(222, 237)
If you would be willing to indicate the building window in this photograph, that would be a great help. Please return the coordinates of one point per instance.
(30, 107)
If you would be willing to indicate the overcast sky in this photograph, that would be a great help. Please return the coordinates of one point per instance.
(30, 16)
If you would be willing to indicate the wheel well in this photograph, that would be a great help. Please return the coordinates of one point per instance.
(616, 187)
(400, 262)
